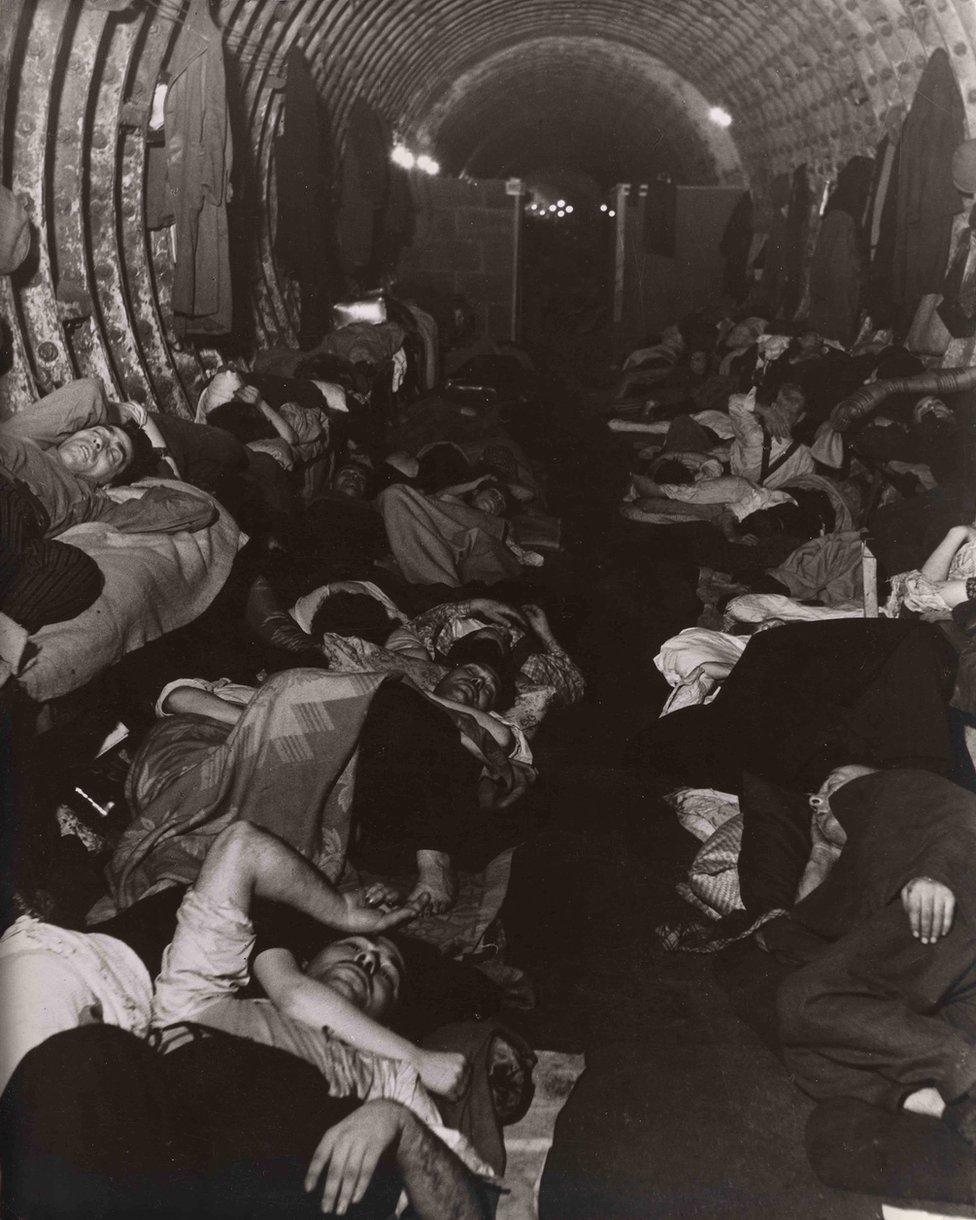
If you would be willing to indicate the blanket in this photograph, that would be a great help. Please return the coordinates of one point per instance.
(154, 583)
(288, 765)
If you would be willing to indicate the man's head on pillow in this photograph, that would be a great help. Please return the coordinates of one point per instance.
(108, 453)
(366, 970)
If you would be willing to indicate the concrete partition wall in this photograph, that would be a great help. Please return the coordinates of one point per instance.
(658, 290)
(465, 245)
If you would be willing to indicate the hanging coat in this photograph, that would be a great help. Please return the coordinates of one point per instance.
(927, 200)
(302, 244)
(198, 164)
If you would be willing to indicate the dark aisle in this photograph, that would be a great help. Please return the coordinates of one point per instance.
(682, 1111)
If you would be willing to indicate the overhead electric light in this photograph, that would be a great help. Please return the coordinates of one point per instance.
(560, 203)
(402, 156)
(428, 164)
(720, 117)
(561, 212)
(603, 207)
(569, 208)
(552, 207)
(611, 212)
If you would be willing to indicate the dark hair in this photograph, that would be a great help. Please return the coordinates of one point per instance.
(145, 459)
(486, 650)
(243, 420)
(353, 614)
(672, 471)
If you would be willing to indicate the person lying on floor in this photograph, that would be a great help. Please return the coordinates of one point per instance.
(435, 541)
(53, 978)
(217, 1127)
(882, 1006)
(68, 455)
(57, 462)
(358, 627)
(424, 780)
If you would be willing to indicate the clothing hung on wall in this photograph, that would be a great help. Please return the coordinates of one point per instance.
(199, 154)
(304, 206)
(927, 199)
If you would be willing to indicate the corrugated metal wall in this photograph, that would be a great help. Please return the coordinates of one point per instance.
(808, 81)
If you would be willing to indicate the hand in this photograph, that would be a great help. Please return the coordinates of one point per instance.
(350, 1151)
(930, 906)
(367, 918)
(134, 412)
(121, 494)
(444, 1073)
(496, 612)
(248, 393)
(535, 616)
(496, 794)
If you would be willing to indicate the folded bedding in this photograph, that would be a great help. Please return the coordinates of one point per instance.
(154, 583)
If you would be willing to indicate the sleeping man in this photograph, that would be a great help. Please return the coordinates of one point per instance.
(225, 1117)
(61, 464)
(884, 1010)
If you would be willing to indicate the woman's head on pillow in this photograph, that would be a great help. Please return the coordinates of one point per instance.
(353, 614)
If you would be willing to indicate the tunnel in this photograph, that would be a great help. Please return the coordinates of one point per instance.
(496, 90)
(589, 405)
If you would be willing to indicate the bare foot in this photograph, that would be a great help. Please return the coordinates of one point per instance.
(925, 1101)
(437, 885)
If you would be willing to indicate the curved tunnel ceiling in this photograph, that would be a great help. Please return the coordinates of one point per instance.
(622, 86)
(611, 111)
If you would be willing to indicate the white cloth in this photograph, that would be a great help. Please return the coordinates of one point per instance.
(717, 421)
(681, 655)
(759, 607)
(333, 394)
(53, 979)
(681, 658)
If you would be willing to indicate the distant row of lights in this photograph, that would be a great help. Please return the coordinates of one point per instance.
(402, 156)
(561, 208)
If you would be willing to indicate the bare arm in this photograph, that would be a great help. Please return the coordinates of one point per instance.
(249, 393)
(190, 700)
(438, 1185)
(936, 567)
(78, 404)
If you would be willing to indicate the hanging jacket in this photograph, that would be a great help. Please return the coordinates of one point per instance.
(198, 163)
(927, 200)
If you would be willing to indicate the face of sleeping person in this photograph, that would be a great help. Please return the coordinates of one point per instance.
(366, 970)
(473, 684)
(98, 454)
(489, 500)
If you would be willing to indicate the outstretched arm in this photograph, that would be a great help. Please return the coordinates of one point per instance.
(247, 862)
(438, 1185)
